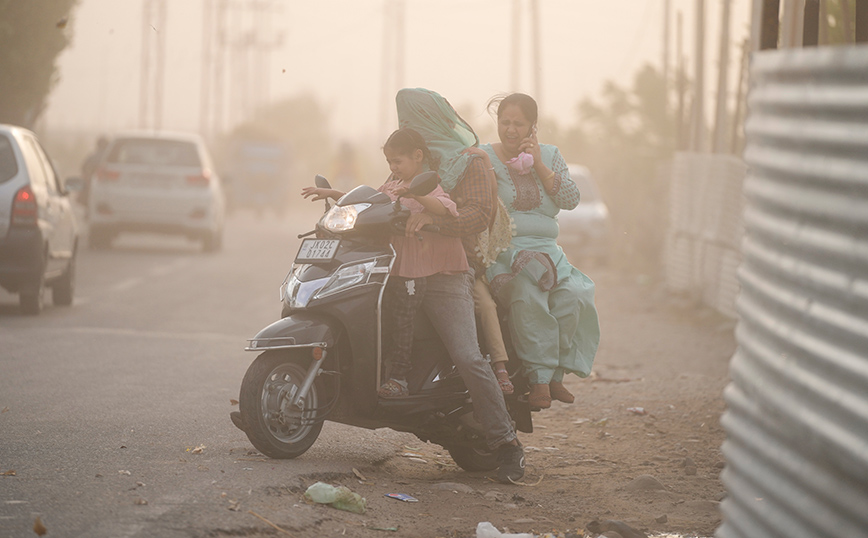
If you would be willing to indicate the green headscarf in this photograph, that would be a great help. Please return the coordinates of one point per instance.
(446, 134)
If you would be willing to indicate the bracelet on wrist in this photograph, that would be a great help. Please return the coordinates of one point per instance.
(550, 176)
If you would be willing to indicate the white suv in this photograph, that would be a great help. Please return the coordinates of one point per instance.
(156, 183)
(38, 233)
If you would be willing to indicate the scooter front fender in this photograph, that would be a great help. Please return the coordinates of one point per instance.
(299, 330)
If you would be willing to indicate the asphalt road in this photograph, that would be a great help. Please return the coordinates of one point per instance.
(104, 402)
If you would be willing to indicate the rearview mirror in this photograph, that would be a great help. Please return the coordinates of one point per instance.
(322, 183)
(424, 183)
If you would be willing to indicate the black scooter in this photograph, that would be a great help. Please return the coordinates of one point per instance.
(323, 359)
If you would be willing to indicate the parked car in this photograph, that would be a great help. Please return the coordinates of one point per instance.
(38, 231)
(156, 183)
(586, 231)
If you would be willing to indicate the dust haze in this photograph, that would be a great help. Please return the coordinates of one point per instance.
(320, 77)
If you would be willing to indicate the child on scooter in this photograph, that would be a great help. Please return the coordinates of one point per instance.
(408, 156)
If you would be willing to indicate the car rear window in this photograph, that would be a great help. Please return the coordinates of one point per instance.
(8, 164)
(154, 152)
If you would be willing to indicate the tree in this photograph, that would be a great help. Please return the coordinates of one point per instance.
(625, 139)
(299, 125)
(32, 35)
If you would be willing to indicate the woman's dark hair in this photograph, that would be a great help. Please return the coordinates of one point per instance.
(524, 102)
(406, 140)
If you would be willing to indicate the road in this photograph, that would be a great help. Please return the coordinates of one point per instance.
(103, 403)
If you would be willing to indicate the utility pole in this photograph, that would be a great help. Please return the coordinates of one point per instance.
(537, 53)
(515, 41)
(665, 62)
(145, 63)
(720, 144)
(151, 77)
(218, 122)
(207, 67)
(400, 45)
(386, 54)
(697, 134)
(161, 64)
(681, 83)
(740, 96)
(393, 58)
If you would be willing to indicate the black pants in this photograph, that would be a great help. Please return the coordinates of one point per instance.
(401, 303)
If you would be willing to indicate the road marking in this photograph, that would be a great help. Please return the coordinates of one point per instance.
(168, 268)
(120, 331)
(129, 283)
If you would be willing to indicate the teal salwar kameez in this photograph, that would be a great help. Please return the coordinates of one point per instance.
(552, 318)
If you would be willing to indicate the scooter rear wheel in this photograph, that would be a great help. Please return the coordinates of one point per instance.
(473, 459)
(275, 426)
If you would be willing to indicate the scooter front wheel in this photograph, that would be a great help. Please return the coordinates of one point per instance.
(273, 423)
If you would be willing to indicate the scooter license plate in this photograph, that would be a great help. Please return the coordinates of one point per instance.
(317, 250)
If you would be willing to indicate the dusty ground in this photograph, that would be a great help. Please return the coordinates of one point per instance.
(651, 409)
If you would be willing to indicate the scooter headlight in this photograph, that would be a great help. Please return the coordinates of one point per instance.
(296, 294)
(342, 218)
(346, 277)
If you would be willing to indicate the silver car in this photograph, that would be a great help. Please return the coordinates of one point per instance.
(156, 183)
(586, 231)
(38, 232)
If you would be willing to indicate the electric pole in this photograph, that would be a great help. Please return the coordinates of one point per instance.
(697, 134)
(537, 53)
(151, 76)
(665, 62)
(720, 117)
(515, 42)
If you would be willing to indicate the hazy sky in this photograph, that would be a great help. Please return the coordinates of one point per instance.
(334, 50)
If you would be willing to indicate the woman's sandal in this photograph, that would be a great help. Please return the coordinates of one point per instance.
(559, 392)
(540, 396)
(393, 389)
(503, 380)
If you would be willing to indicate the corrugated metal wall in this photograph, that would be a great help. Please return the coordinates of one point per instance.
(797, 406)
(705, 228)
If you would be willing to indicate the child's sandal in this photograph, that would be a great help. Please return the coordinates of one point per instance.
(503, 380)
(393, 388)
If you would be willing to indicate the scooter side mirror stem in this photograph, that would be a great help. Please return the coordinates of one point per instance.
(322, 183)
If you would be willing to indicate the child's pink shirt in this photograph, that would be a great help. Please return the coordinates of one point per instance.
(435, 253)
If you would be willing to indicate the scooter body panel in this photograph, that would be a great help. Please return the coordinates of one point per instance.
(301, 329)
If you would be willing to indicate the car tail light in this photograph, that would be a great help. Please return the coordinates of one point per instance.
(25, 212)
(104, 174)
(200, 180)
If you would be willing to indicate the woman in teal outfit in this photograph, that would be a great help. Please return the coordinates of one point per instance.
(552, 318)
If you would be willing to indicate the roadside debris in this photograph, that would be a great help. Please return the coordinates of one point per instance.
(402, 497)
(275, 527)
(607, 525)
(359, 475)
(339, 497)
(38, 527)
(487, 530)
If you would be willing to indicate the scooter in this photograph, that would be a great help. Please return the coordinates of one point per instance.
(323, 359)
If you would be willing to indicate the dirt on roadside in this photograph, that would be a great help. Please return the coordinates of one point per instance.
(640, 445)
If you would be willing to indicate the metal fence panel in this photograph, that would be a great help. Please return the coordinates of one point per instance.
(705, 228)
(797, 406)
